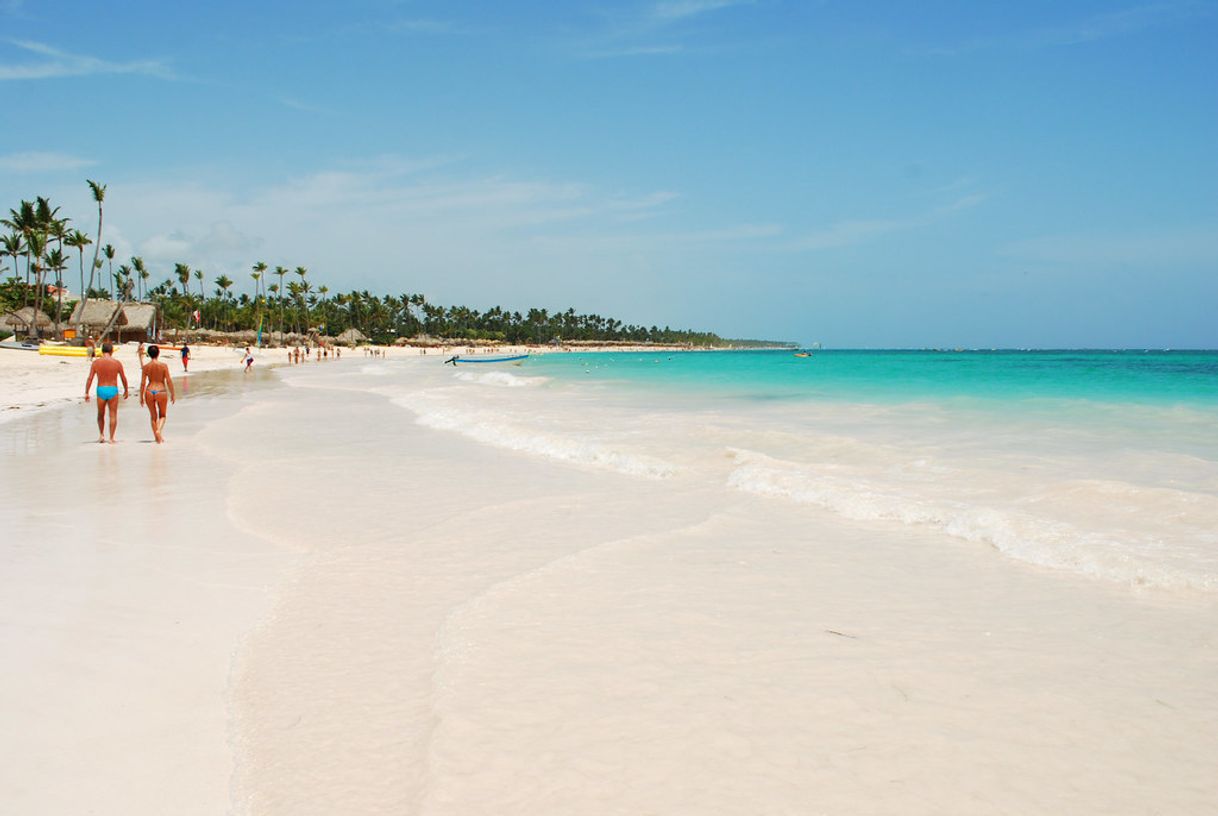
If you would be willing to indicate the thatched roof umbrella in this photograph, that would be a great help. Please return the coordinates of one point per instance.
(351, 337)
(139, 321)
(25, 319)
(97, 315)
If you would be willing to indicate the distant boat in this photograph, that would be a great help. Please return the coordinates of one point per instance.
(457, 358)
(803, 354)
(13, 344)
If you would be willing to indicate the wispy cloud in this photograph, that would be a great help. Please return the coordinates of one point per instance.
(304, 107)
(1107, 25)
(55, 63)
(421, 26)
(670, 10)
(41, 162)
(1112, 24)
(851, 232)
(635, 51)
(1156, 248)
(658, 29)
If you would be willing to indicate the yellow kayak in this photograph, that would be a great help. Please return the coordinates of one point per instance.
(64, 351)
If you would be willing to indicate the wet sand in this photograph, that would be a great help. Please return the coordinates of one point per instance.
(308, 603)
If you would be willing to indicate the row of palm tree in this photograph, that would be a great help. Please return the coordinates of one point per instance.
(38, 236)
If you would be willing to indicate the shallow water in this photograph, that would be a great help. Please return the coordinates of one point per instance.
(533, 591)
(551, 595)
(1100, 463)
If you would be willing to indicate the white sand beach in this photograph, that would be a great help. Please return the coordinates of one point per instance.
(318, 598)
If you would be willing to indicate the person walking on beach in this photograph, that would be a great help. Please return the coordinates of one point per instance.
(139, 352)
(185, 357)
(248, 360)
(108, 372)
(90, 347)
(156, 391)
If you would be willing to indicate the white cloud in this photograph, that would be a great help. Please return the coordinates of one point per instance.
(222, 243)
(682, 9)
(421, 26)
(392, 223)
(58, 63)
(636, 51)
(42, 162)
(851, 232)
(1148, 248)
(1103, 26)
(304, 107)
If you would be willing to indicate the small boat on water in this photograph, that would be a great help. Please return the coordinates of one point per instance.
(458, 359)
(803, 354)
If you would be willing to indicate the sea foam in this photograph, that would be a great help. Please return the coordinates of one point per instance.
(1017, 533)
(501, 379)
(502, 431)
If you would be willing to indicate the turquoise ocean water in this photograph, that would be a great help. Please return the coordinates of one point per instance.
(1141, 377)
(1101, 463)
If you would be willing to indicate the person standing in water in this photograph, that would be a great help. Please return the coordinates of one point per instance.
(156, 391)
(185, 357)
(248, 359)
(108, 372)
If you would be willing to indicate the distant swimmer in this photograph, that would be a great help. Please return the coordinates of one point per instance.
(453, 360)
(156, 391)
(108, 372)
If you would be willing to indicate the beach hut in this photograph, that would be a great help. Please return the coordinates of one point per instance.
(97, 316)
(139, 322)
(22, 321)
(351, 337)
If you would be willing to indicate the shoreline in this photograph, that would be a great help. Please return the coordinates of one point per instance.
(30, 382)
(283, 611)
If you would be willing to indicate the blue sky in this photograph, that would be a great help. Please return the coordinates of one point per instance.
(862, 174)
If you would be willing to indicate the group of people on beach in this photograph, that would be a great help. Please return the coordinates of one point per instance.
(156, 390)
(297, 355)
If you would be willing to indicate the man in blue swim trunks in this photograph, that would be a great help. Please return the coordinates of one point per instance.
(108, 372)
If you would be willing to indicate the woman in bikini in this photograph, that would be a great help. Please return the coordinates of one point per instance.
(156, 390)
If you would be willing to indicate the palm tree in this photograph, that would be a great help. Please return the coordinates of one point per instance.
(108, 251)
(281, 271)
(301, 271)
(199, 278)
(138, 265)
(223, 283)
(56, 262)
(14, 246)
(36, 246)
(259, 271)
(124, 279)
(78, 240)
(99, 195)
(183, 273)
(24, 221)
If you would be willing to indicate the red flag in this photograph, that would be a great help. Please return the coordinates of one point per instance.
(198, 317)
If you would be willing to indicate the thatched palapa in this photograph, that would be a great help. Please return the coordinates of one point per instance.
(97, 315)
(139, 322)
(351, 337)
(23, 320)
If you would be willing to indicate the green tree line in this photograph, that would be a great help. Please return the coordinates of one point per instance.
(37, 249)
